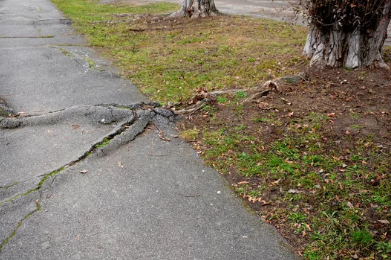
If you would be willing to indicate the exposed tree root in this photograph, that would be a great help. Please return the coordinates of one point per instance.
(203, 97)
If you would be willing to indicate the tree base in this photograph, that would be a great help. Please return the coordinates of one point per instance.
(196, 9)
(352, 47)
(336, 48)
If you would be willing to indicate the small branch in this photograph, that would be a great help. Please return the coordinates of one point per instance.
(193, 196)
(157, 155)
(161, 133)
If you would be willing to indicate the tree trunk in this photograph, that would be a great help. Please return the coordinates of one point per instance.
(336, 46)
(196, 8)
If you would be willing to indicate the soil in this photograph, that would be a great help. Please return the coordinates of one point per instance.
(336, 92)
(350, 98)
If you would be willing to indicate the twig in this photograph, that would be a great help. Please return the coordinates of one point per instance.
(161, 133)
(156, 126)
(192, 196)
(156, 154)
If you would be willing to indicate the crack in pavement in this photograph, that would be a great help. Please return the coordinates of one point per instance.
(137, 117)
(133, 120)
(38, 208)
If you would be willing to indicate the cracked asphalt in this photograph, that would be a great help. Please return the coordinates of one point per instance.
(90, 169)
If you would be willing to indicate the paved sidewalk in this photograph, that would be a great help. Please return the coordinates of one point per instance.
(90, 169)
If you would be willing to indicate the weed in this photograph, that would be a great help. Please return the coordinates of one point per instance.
(190, 134)
(91, 63)
(65, 52)
(222, 100)
(9, 186)
(384, 248)
(357, 127)
(362, 236)
(208, 108)
(239, 110)
(240, 94)
(105, 142)
(355, 115)
(262, 120)
(240, 127)
(297, 217)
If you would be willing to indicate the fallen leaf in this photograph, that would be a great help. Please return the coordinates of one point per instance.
(243, 182)
(349, 204)
(264, 105)
(293, 191)
(308, 226)
(75, 126)
(385, 221)
(276, 182)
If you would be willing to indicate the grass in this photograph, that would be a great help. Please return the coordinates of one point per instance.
(329, 202)
(190, 134)
(5, 242)
(327, 196)
(168, 61)
(91, 63)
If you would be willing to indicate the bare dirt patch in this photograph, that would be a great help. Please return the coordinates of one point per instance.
(314, 160)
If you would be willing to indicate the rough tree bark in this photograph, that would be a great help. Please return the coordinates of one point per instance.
(196, 8)
(336, 45)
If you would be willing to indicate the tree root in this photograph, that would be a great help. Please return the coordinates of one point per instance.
(193, 108)
(204, 97)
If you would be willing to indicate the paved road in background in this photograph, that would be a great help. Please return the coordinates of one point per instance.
(280, 10)
(65, 193)
(273, 9)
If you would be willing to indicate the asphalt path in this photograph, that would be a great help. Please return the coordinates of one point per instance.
(90, 169)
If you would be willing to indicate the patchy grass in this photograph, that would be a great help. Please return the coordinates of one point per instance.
(321, 176)
(169, 58)
(314, 160)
